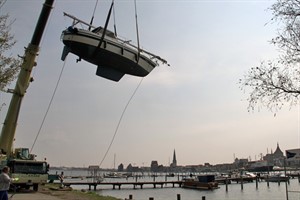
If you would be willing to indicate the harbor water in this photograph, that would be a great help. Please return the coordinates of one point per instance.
(249, 192)
(236, 191)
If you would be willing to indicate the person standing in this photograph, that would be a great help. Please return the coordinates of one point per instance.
(4, 183)
(61, 178)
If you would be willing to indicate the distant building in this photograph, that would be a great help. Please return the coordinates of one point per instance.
(240, 163)
(276, 158)
(129, 168)
(121, 167)
(154, 166)
(174, 162)
(293, 157)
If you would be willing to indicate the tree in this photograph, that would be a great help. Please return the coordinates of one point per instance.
(9, 66)
(275, 83)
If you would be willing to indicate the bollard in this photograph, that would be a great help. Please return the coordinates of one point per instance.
(203, 197)
(268, 181)
(130, 196)
(226, 183)
(256, 181)
(178, 197)
(242, 184)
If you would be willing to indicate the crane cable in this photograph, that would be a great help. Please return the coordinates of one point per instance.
(92, 19)
(119, 122)
(104, 30)
(114, 16)
(137, 31)
(49, 105)
(115, 27)
(124, 110)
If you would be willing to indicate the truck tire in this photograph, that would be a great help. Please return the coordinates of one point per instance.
(35, 187)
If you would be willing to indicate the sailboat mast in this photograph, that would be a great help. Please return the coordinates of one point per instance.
(114, 161)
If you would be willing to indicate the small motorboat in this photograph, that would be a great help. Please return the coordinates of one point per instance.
(202, 182)
(280, 177)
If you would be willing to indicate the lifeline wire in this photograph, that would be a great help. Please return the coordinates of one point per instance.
(50, 103)
(118, 125)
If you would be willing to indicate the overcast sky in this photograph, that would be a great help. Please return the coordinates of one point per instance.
(195, 106)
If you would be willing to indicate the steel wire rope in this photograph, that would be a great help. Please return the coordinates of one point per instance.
(49, 105)
(119, 122)
(92, 19)
(137, 28)
(1, 5)
(114, 15)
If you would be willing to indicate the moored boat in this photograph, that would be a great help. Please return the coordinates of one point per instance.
(202, 182)
(260, 166)
(277, 178)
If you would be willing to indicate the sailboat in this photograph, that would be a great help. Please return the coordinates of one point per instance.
(113, 56)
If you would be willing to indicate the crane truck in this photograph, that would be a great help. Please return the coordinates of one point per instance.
(25, 170)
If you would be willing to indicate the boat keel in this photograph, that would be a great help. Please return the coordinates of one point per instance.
(65, 52)
(109, 73)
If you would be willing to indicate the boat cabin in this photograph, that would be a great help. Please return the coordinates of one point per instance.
(100, 30)
(206, 178)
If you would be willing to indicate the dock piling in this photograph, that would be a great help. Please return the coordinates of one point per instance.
(242, 183)
(256, 182)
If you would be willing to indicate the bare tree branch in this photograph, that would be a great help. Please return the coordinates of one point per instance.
(275, 83)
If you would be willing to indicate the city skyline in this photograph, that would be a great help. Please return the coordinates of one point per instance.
(258, 157)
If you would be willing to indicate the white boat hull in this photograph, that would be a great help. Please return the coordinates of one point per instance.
(113, 58)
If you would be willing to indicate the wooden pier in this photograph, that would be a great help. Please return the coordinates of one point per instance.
(155, 184)
(236, 179)
(119, 184)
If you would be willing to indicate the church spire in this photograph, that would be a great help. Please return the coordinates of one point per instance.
(174, 162)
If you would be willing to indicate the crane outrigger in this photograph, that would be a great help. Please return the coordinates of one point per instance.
(26, 171)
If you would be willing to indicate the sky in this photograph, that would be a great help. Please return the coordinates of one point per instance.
(195, 106)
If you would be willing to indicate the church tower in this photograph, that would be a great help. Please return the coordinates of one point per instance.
(174, 162)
